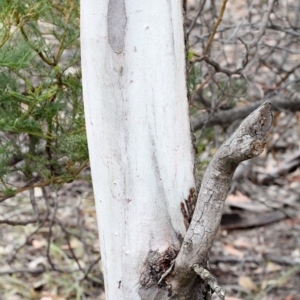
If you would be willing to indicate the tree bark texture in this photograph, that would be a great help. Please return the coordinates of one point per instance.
(247, 142)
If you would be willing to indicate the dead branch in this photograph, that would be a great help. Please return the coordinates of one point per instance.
(282, 260)
(19, 222)
(37, 270)
(247, 142)
(226, 117)
(215, 27)
(263, 26)
(195, 19)
(219, 69)
(237, 222)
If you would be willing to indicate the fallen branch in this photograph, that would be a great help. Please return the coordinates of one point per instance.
(283, 260)
(247, 142)
(19, 222)
(235, 221)
(225, 117)
(37, 270)
(287, 166)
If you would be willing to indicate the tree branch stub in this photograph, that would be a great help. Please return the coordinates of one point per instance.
(247, 142)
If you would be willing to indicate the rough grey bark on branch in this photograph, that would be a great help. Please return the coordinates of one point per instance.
(201, 119)
(212, 282)
(247, 142)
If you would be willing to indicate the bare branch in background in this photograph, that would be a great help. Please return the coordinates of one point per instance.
(264, 23)
(195, 19)
(254, 55)
(206, 50)
(225, 117)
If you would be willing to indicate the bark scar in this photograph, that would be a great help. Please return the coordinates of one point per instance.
(157, 266)
(116, 24)
(188, 206)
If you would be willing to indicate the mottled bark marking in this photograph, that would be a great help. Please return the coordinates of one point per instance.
(116, 24)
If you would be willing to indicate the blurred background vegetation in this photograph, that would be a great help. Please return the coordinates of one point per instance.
(49, 246)
(41, 113)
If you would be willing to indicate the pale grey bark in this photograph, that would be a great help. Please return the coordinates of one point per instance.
(138, 130)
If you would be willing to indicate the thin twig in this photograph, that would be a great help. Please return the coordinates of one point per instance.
(85, 276)
(215, 27)
(33, 203)
(54, 180)
(263, 26)
(219, 69)
(163, 276)
(287, 74)
(28, 238)
(195, 19)
(199, 88)
(210, 280)
(50, 234)
(38, 51)
(63, 37)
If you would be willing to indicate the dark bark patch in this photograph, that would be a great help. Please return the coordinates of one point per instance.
(188, 206)
(157, 263)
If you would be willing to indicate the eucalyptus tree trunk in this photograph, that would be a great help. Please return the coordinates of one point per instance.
(141, 154)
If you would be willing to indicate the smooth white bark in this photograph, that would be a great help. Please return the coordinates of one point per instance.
(138, 131)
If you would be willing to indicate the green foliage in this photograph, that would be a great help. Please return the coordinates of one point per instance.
(41, 111)
(193, 76)
(190, 54)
